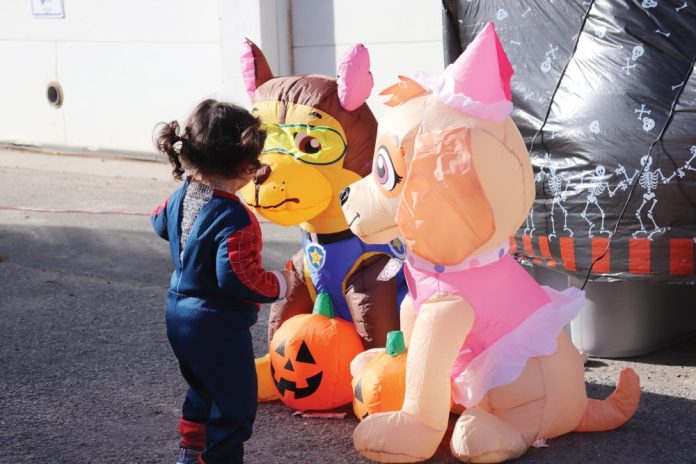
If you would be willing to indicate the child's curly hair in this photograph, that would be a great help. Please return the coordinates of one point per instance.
(220, 139)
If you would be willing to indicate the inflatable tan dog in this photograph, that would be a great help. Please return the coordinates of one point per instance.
(451, 174)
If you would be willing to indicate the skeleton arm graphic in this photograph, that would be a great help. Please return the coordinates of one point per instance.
(680, 171)
(564, 193)
(665, 180)
(621, 185)
(687, 166)
(622, 170)
(539, 177)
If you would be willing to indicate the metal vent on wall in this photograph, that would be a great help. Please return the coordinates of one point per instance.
(54, 93)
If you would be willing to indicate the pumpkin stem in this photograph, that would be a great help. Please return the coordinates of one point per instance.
(323, 305)
(395, 343)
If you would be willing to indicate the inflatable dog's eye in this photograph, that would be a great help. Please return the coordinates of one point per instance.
(306, 143)
(317, 145)
(384, 170)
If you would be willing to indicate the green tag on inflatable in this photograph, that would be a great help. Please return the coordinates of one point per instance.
(323, 305)
(395, 343)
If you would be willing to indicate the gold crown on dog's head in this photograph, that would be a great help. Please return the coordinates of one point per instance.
(403, 91)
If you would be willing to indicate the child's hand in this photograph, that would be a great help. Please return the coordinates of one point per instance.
(289, 278)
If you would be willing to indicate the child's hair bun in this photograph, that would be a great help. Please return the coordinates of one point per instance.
(170, 142)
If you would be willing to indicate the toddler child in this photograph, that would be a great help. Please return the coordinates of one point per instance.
(218, 281)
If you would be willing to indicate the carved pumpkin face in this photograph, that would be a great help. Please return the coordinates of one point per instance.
(310, 358)
(303, 356)
(381, 385)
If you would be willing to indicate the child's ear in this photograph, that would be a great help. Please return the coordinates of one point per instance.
(255, 68)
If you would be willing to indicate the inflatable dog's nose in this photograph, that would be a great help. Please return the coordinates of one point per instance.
(262, 174)
(344, 195)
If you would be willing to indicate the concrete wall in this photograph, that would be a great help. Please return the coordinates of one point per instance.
(403, 36)
(122, 65)
(128, 64)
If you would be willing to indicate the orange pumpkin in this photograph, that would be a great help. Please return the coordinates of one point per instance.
(310, 357)
(381, 385)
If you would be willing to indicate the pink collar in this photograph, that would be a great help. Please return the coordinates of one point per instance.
(471, 262)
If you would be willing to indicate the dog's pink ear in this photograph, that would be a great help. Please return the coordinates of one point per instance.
(255, 69)
(354, 78)
(442, 194)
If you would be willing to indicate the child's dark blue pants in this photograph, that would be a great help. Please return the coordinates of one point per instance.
(215, 353)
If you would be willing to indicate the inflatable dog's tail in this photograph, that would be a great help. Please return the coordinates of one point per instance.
(613, 412)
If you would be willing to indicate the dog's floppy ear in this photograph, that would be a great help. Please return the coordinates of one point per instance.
(255, 68)
(444, 214)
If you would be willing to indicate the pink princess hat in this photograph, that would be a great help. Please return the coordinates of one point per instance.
(478, 82)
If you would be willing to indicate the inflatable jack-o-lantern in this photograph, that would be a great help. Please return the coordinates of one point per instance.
(310, 357)
(380, 386)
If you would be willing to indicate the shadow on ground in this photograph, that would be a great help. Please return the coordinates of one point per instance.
(660, 432)
(682, 353)
(116, 254)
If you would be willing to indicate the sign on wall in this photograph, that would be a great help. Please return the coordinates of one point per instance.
(47, 8)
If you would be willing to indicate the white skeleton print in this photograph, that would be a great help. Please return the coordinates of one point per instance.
(550, 56)
(597, 187)
(555, 184)
(687, 165)
(529, 229)
(648, 181)
(648, 123)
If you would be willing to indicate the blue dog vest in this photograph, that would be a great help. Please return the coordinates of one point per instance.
(330, 265)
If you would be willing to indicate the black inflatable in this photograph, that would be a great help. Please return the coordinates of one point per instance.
(605, 96)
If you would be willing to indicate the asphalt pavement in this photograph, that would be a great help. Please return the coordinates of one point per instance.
(86, 372)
